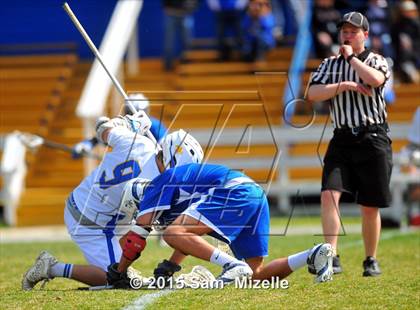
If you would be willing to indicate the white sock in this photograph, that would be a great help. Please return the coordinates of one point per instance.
(298, 260)
(62, 270)
(221, 258)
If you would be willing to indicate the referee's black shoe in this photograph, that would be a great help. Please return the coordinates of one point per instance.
(371, 267)
(337, 265)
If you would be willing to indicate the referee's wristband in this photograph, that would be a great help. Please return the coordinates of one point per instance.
(350, 58)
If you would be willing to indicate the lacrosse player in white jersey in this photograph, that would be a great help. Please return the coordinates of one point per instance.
(92, 215)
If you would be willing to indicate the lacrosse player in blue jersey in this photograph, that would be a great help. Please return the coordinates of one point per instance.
(198, 199)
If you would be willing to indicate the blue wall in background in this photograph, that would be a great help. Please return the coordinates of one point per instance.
(44, 21)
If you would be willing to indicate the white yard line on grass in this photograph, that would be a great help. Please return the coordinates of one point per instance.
(34, 234)
(384, 236)
(143, 301)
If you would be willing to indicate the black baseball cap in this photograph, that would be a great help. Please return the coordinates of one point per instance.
(356, 19)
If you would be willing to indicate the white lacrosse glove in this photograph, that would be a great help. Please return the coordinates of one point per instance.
(100, 121)
(139, 122)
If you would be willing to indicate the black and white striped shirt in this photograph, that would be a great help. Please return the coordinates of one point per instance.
(350, 108)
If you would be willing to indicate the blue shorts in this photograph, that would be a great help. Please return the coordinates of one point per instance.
(238, 216)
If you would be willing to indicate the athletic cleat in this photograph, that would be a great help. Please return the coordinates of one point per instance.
(320, 262)
(235, 270)
(371, 267)
(337, 265)
(311, 269)
(39, 271)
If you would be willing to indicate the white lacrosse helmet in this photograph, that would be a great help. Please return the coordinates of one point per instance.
(139, 102)
(180, 148)
(132, 194)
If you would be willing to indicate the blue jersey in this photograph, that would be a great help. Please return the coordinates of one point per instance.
(178, 187)
(227, 201)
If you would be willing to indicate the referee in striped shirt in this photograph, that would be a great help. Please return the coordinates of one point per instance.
(359, 156)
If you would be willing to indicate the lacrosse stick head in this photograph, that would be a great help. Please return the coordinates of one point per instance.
(198, 277)
(31, 141)
(136, 274)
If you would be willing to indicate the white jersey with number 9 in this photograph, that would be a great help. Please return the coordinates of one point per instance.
(99, 194)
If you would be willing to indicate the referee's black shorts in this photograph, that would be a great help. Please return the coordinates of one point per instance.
(360, 165)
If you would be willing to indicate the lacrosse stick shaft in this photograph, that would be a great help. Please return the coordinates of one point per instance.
(95, 51)
(66, 148)
(101, 287)
(95, 288)
(33, 142)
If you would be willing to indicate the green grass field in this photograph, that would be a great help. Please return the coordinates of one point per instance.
(397, 288)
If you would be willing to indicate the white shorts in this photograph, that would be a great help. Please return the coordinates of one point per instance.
(99, 246)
